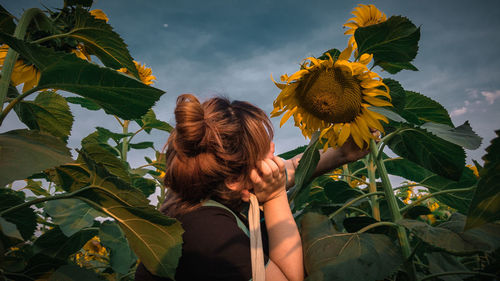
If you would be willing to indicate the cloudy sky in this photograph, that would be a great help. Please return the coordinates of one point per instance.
(230, 47)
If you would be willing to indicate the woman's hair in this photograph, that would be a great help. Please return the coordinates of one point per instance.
(213, 143)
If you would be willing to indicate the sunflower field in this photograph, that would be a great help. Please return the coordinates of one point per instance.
(86, 216)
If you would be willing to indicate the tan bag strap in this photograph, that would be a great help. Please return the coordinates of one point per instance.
(256, 251)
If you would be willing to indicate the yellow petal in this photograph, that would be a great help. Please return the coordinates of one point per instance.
(356, 135)
(99, 14)
(297, 75)
(365, 58)
(287, 116)
(351, 24)
(376, 102)
(346, 53)
(376, 92)
(371, 84)
(372, 122)
(344, 134)
(279, 85)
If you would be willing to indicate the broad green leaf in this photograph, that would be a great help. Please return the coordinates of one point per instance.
(100, 39)
(433, 153)
(147, 186)
(116, 93)
(425, 109)
(462, 135)
(36, 187)
(338, 192)
(485, 206)
(154, 237)
(149, 122)
(71, 272)
(142, 145)
(24, 218)
(49, 112)
(440, 262)
(411, 171)
(7, 24)
(290, 154)
(9, 229)
(83, 102)
(451, 237)
(334, 53)
(398, 94)
(395, 67)
(106, 134)
(55, 244)
(110, 162)
(113, 238)
(71, 177)
(330, 255)
(24, 152)
(304, 172)
(71, 215)
(393, 42)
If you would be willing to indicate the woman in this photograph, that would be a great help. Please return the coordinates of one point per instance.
(219, 153)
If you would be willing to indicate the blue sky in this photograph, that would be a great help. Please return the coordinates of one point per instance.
(229, 47)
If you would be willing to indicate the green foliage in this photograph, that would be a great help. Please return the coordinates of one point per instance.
(485, 206)
(334, 53)
(7, 24)
(56, 245)
(83, 102)
(49, 112)
(330, 255)
(72, 215)
(451, 237)
(100, 39)
(393, 43)
(290, 154)
(420, 109)
(149, 122)
(116, 93)
(9, 229)
(461, 135)
(121, 256)
(433, 153)
(25, 152)
(71, 272)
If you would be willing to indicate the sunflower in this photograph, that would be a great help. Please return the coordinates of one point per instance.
(22, 72)
(99, 14)
(334, 97)
(145, 73)
(365, 15)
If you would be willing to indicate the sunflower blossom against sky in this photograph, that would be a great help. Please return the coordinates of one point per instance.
(364, 15)
(333, 96)
(145, 73)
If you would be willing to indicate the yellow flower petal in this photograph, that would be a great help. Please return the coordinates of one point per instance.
(376, 102)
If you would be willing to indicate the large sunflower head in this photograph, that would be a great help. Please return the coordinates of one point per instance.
(22, 73)
(364, 15)
(333, 96)
(145, 73)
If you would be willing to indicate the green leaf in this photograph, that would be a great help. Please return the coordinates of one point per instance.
(24, 218)
(425, 149)
(100, 39)
(71, 177)
(440, 262)
(71, 272)
(110, 162)
(71, 215)
(116, 93)
(290, 154)
(393, 42)
(334, 53)
(105, 134)
(338, 192)
(462, 135)
(330, 255)
(83, 102)
(398, 94)
(451, 237)
(147, 186)
(142, 145)
(49, 112)
(485, 206)
(395, 67)
(84, 3)
(24, 152)
(113, 238)
(411, 171)
(149, 122)
(36, 187)
(7, 24)
(425, 109)
(9, 229)
(304, 172)
(55, 244)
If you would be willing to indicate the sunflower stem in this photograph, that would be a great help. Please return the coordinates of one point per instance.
(347, 205)
(125, 140)
(372, 187)
(394, 210)
(12, 55)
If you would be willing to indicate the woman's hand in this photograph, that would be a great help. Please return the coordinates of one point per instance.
(269, 178)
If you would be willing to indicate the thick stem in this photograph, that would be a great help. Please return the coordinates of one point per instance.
(377, 224)
(125, 140)
(394, 210)
(372, 187)
(11, 57)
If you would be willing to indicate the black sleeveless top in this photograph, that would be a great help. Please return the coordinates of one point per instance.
(214, 248)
